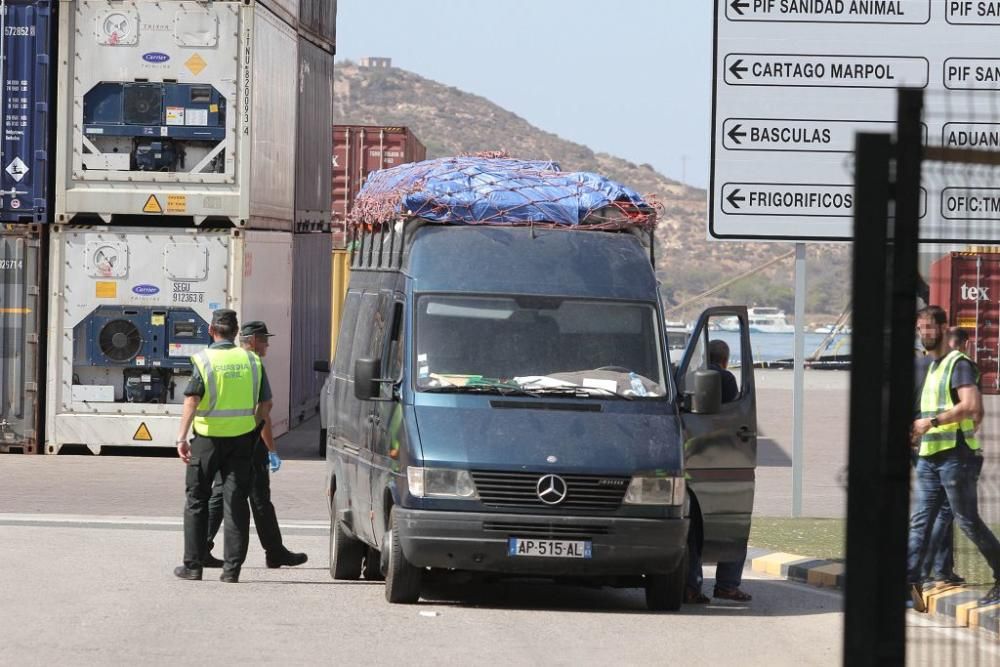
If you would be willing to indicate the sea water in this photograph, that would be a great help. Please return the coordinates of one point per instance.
(774, 346)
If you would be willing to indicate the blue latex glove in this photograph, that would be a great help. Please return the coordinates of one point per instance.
(274, 460)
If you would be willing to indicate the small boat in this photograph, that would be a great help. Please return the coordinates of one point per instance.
(765, 319)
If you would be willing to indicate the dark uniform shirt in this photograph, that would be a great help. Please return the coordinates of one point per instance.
(196, 385)
(730, 390)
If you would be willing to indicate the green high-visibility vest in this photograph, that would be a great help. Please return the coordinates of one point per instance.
(232, 378)
(935, 398)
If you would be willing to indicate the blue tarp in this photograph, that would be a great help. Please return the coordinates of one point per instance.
(491, 190)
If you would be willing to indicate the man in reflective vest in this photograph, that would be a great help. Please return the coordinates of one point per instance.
(949, 458)
(254, 336)
(222, 400)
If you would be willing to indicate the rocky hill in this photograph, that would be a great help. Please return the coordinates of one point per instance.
(449, 121)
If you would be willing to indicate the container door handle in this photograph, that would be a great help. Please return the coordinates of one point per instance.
(745, 434)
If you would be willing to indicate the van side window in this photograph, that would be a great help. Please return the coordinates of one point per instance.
(343, 360)
(394, 351)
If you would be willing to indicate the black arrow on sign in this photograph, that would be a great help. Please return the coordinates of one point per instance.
(738, 6)
(734, 133)
(732, 198)
(736, 69)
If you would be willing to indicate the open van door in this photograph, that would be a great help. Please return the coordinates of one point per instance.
(720, 449)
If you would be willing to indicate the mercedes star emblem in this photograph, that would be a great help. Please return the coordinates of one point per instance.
(551, 489)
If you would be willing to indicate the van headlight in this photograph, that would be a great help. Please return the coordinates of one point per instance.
(643, 490)
(440, 483)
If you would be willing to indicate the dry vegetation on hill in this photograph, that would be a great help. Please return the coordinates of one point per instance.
(449, 121)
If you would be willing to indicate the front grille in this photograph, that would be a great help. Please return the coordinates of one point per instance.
(522, 529)
(588, 493)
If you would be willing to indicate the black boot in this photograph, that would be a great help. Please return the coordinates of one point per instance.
(184, 572)
(289, 558)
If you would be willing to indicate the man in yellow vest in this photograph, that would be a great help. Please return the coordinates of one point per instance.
(949, 458)
(254, 336)
(939, 566)
(222, 401)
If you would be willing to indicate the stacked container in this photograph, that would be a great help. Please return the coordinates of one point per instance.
(311, 281)
(176, 194)
(967, 286)
(28, 47)
(358, 150)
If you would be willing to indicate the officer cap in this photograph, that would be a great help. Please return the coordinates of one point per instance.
(255, 328)
(225, 317)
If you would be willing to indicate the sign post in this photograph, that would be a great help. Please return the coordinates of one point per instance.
(796, 80)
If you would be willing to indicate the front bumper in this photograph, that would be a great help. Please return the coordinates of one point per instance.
(478, 541)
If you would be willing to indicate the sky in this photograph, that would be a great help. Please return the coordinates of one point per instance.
(631, 78)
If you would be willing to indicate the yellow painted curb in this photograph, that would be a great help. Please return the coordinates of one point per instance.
(963, 612)
(931, 597)
(771, 563)
(977, 612)
(825, 575)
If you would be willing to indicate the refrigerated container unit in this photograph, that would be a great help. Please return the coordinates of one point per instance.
(318, 20)
(176, 109)
(128, 308)
(27, 44)
(967, 286)
(358, 150)
(311, 293)
(314, 172)
(22, 336)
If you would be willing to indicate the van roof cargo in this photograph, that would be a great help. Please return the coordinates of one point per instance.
(498, 191)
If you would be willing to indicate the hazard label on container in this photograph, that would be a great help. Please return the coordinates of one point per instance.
(104, 289)
(967, 322)
(17, 169)
(152, 205)
(176, 203)
(142, 433)
(195, 64)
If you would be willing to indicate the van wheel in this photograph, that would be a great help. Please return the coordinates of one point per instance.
(402, 580)
(665, 592)
(372, 570)
(346, 552)
(322, 443)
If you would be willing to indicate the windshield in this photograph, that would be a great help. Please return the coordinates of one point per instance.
(544, 345)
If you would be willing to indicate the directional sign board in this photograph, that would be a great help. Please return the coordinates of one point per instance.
(796, 80)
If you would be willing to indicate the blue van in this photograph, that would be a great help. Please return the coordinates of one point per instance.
(502, 401)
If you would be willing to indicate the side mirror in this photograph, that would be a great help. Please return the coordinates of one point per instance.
(706, 399)
(366, 379)
(321, 366)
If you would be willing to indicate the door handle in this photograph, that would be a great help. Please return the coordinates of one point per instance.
(375, 420)
(744, 433)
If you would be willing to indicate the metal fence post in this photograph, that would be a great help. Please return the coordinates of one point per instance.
(871, 210)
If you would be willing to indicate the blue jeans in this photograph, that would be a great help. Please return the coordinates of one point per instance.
(951, 476)
(728, 575)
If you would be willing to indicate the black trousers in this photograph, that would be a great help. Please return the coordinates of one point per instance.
(230, 458)
(264, 517)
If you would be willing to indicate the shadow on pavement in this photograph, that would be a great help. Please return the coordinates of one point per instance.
(770, 599)
(771, 455)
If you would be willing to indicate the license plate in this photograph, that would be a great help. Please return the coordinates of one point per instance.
(520, 546)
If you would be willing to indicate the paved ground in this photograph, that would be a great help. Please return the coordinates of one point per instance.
(96, 596)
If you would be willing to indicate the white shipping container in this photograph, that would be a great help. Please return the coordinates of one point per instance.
(130, 305)
(176, 108)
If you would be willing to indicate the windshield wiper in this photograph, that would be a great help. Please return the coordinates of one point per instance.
(480, 388)
(578, 391)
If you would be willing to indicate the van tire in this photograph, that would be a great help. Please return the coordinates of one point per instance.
(372, 570)
(402, 580)
(322, 443)
(346, 553)
(665, 592)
